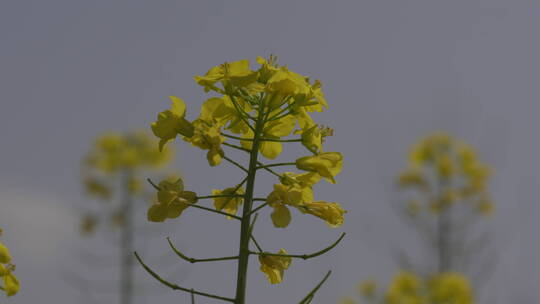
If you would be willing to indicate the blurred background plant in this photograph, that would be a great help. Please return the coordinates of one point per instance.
(9, 284)
(447, 196)
(113, 173)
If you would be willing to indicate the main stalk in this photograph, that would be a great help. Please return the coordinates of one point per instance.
(126, 244)
(243, 259)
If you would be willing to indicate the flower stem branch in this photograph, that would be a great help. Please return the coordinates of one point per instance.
(215, 211)
(304, 256)
(281, 140)
(236, 137)
(259, 207)
(235, 163)
(307, 299)
(193, 260)
(219, 195)
(275, 165)
(176, 287)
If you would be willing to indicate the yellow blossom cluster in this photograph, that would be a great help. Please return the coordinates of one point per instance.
(255, 111)
(9, 284)
(445, 170)
(409, 288)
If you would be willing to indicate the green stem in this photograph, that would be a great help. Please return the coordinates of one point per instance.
(193, 260)
(281, 140)
(236, 147)
(259, 208)
(304, 256)
(241, 113)
(126, 243)
(235, 163)
(307, 299)
(275, 165)
(219, 195)
(259, 163)
(215, 211)
(176, 287)
(236, 137)
(244, 251)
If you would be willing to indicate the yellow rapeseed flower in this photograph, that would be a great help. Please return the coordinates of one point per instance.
(207, 136)
(326, 164)
(5, 257)
(172, 122)
(331, 213)
(274, 266)
(278, 199)
(236, 73)
(172, 200)
(228, 204)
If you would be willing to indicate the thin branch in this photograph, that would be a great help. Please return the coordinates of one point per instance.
(176, 287)
(241, 112)
(236, 137)
(281, 140)
(258, 163)
(304, 256)
(251, 232)
(192, 296)
(256, 245)
(259, 208)
(269, 170)
(307, 299)
(219, 195)
(153, 184)
(275, 165)
(235, 163)
(215, 211)
(193, 260)
(235, 147)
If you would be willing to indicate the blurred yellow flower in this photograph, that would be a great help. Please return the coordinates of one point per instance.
(367, 288)
(450, 288)
(5, 257)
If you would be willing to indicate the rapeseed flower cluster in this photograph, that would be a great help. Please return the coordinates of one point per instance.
(254, 111)
(9, 284)
(409, 288)
(443, 171)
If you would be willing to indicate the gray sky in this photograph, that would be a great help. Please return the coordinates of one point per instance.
(392, 70)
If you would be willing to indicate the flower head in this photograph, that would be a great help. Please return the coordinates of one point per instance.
(172, 200)
(172, 122)
(207, 136)
(279, 199)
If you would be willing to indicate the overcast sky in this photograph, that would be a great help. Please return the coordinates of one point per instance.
(393, 70)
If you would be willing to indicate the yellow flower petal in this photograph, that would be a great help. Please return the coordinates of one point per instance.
(281, 216)
(5, 257)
